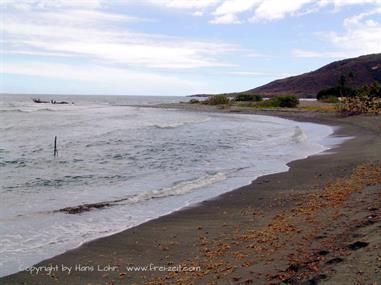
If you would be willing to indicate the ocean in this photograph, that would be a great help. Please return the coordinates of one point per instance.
(120, 165)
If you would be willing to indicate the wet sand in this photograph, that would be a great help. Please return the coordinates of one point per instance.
(319, 222)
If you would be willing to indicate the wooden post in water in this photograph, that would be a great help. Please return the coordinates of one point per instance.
(55, 146)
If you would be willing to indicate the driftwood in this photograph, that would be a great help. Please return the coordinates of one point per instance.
(39, 101)
(92, 206)
(84, 208)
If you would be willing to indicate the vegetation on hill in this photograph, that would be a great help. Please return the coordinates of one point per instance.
(352, 85)
(341, 90)
(338, 91)
(358, 72)
(366, 99)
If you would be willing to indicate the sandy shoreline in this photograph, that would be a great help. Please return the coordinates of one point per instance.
(248, 236)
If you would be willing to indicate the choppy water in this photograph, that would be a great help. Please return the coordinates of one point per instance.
(146, 161)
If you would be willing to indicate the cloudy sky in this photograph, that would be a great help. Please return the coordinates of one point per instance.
(175, 47)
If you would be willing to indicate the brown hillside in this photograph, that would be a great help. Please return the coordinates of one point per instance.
(365, 69)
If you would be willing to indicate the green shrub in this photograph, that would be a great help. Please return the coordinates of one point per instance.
(329, 92)
(338, 91)
(249, 97)
(280, 102)
(371, 90)
(288, 101)
(285, 101)
(217, 100)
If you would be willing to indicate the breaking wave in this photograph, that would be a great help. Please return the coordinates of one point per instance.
(179, 188)
(299, 136)
(179, 124)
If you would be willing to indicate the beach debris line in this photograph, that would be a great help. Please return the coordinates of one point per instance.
(55, 146)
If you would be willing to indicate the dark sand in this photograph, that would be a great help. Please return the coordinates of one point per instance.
(320, 222)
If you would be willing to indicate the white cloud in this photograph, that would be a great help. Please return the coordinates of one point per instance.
(277, 9)
(48, 4)
(362, 35)
(75, 17)
(235, 6)
(256, 55)
(82, 42)
(236, 11)
(300, 53)
(80, 72)
(198, 13)
(88, 34)
(36, 53)
(355, 20)
(342, 3)
(248, 73)
(186, 4)
(196, 7)
(226, 19)
(128, 81)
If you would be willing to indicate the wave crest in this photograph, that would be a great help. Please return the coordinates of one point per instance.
(180, 188)
(299, 135)
(179, 124)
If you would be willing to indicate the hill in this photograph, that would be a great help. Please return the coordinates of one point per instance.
(365, 69)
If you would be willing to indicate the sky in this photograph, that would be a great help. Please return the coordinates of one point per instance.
(175, 47)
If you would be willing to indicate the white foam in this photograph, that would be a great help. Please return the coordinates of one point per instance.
(299, 135)
(181, 123)
(180, 188)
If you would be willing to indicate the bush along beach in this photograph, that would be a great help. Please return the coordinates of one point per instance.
(350, 101)
(217, 100)
(366, 99)
(249, 98)
(359, 105)
(255, 101)
(281, 102)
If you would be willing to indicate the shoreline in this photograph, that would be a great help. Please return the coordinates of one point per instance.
(137, 245)
(326, 142)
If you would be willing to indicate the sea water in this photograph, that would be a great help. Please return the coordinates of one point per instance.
(144, 162)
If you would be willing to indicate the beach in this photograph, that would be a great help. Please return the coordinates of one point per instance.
(317, 222)
(190, 142)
